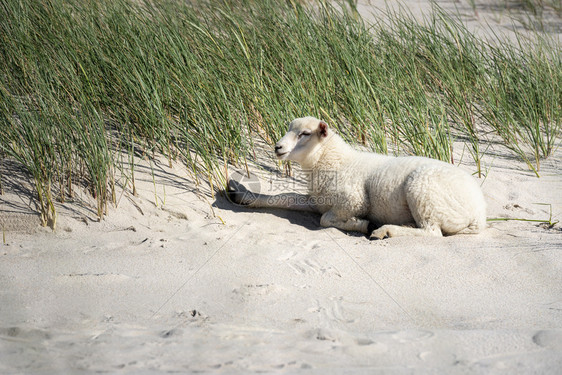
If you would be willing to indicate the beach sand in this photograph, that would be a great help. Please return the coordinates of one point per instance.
(176, 280)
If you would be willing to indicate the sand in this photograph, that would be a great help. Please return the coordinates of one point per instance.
(175, 280)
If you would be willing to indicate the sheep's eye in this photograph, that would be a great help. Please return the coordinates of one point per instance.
(304, 134)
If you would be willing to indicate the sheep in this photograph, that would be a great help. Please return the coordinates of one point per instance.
(408, 196)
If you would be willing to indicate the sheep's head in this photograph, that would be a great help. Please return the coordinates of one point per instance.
(301, 141)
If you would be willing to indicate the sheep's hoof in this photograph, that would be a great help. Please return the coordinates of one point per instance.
(237, 191)
(380, 234)
(238, 194)
(376, 238)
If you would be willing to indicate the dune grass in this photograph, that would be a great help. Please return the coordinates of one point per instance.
(84, 82)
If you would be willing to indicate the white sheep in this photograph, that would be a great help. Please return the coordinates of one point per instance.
(357, 191)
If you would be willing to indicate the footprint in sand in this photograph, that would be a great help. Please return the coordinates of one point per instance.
(19, 333)
(248, 290)
(322, 334)
(286, 366)
(335, 310)
(166, 334)
(349, 343)
(304, 263)
(361, 347)
(551, 339)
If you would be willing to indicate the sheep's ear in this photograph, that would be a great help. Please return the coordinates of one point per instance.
(323, 129)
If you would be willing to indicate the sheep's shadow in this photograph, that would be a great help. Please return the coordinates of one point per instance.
(309, 220)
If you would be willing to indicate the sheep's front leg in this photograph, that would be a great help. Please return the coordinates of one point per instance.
(353, 224)
(288, 201)
(291, 201)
